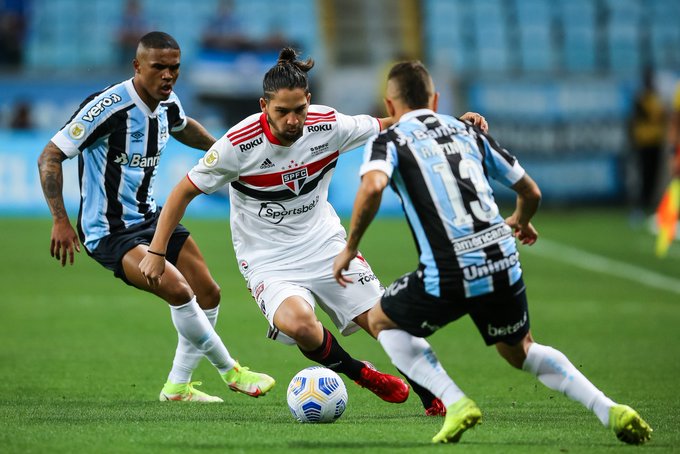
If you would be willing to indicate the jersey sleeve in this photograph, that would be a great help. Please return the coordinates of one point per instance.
(500, 164)
(355, 130)
(90, 123)
(379, 154)
(219, 166)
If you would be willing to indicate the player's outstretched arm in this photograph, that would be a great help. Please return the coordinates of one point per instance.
(366, 205)
(64, 239)
(194, 135)
(528, 200)
(152, 265)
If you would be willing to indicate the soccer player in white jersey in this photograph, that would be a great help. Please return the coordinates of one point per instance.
(469, 263)
(279, 164)
(118, 136)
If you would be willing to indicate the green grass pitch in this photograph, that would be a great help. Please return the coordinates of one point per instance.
(83, 357)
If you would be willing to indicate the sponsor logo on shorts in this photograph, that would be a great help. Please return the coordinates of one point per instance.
(431, 328)
(258, 290)
(274, 212)
(472, 272)
(496, 331)
(365, 278)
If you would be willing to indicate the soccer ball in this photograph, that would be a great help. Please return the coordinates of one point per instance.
(317, 394)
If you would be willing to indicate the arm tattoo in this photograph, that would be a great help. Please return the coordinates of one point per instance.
(52, 179)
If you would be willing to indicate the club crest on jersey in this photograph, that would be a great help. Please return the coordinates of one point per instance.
(295, 179)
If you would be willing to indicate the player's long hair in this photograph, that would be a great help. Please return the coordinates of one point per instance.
(289, 72)
(414, 83)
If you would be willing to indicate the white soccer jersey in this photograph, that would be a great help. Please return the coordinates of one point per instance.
(279, 195)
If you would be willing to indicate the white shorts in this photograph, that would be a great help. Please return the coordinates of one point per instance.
(313, 281)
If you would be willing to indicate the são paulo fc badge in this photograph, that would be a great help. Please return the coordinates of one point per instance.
(244, 265)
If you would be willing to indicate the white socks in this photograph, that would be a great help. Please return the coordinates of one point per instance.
(415, 358)
(193, 325)
(187, 356)
(555, 371)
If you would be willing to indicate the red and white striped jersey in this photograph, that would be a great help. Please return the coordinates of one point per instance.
(279, 195)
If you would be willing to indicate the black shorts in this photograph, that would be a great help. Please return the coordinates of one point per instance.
(112, 248)
(500, 316)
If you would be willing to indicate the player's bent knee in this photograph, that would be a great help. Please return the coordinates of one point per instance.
(209, 296)
(305, 333)
(513, 354)
(177, 293)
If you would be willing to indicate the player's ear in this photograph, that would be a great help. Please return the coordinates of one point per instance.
(389, 106)
(263, 104)
(135, 64)
(435, 101)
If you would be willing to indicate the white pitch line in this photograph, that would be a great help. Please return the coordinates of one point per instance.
(604, 265)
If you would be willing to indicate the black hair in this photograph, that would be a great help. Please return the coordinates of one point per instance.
(289, 72)
(413, 82)
(158, 40)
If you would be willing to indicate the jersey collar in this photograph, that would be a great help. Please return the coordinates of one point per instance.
(415, 113)
(129, 86)
(267, 130)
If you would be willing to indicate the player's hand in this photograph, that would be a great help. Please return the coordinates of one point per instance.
(152, 268)
(64, 241)
(526, 234)
(476, 119)
(340, 264)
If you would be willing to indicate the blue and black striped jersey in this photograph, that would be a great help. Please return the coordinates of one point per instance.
(118, 141)
(439, 167)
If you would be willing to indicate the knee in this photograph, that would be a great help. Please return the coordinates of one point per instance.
(209, 296)
(178, 293)
(515, 354)
(306, 332)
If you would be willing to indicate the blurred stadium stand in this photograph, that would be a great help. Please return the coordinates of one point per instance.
(555, 77)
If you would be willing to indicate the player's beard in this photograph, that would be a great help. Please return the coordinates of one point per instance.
(286, 135)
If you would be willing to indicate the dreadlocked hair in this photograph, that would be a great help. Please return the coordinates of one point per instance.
(288, 73)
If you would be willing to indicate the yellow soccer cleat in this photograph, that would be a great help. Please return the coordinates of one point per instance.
(185, 392)
(461, 416)
(243, 380)
(628, 426)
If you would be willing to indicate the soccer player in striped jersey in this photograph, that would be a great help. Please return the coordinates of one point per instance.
(118, 136)
(469, 263)
(279, 163)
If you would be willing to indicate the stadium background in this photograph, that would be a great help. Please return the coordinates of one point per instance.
(555, 79)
